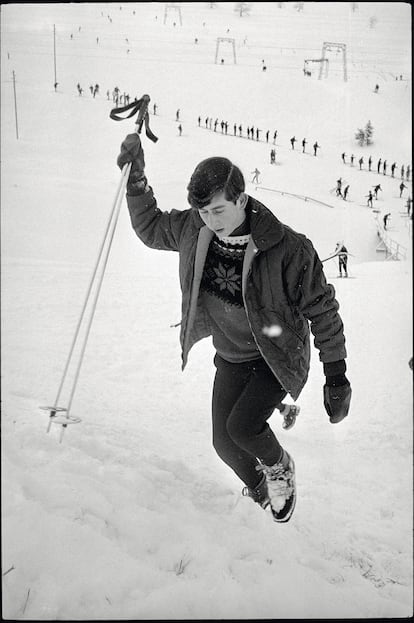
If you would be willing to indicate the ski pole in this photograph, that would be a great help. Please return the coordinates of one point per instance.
(108, 236)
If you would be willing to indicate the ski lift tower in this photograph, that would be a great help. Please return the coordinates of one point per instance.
(226, 40)
(323, 68)
(170, 6)
(334, 47)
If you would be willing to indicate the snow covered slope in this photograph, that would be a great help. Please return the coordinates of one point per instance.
(134, 516)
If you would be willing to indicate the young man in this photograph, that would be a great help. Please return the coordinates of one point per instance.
(254, 285)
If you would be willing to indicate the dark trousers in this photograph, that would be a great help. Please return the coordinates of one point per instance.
(244, 397)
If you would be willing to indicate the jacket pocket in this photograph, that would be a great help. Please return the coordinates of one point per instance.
(274, 325)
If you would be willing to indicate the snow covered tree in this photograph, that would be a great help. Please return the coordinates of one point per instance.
(364, 136)
(369, 131)
(242, 8)
(373, 21)
(360, 136)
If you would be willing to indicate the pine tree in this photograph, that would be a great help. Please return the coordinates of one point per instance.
(360, 136)
(369, 131)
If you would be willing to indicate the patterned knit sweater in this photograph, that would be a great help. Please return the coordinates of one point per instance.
(221, 296)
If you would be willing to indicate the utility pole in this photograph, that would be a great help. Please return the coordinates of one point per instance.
(15, 104)
(54, 49)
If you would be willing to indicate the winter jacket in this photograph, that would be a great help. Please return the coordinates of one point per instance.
(284, 287)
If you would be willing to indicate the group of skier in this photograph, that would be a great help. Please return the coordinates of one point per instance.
(381, 166)
(315, 146)
(251, 132)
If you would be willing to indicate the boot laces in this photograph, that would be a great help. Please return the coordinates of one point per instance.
(278, 479)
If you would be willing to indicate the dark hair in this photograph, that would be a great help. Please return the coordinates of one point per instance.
(212, 176)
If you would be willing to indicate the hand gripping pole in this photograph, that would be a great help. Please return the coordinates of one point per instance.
(58, 414)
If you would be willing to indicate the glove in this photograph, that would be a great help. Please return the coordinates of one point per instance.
(337, 397)
(131, 151)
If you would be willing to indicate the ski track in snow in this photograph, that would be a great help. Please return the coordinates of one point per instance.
(133, 515)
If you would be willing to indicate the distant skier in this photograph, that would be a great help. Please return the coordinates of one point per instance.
(177, 115)
(293, 141)
(303, 145)
(255, 178)
(272, 156)
(408, 205)
(376, 88)
(361, 162)
(343, 157)
(339, 187)
(56, 86)
(394, 164)
(370, 198)
(384, 167)
(342, 252)
(274, 137)
(315, 148)
(154, 109)
(402, 186)
(377, 187)
(267, 136)
(180, 129)
(407, 175)
(379, 165)
(345, 193)
(385, 219)
(369, 163)
(402, 172)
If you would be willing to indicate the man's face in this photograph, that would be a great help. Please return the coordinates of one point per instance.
(223, 216)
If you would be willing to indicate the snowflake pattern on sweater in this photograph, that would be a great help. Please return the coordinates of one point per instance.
(222, 275)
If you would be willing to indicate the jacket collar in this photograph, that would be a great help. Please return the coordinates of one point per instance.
(266, 229)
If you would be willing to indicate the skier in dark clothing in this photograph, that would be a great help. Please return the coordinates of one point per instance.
(379, 165)
(315, 148)
(352, 160)
(376, 189)
(394, 164)
(343, 157)
(384, 167)
(361, 162)
(402, 186)
(370, 198)
(369, 163)
(345, 193)
(223, 237)
(339, 187)
(385, 219)
(303, 145)
(293, 141)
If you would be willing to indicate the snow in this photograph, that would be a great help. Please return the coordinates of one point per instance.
(133, 516)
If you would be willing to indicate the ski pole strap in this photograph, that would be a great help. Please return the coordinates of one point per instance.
(141, 107)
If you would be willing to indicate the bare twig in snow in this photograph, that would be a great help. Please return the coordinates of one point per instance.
(27, 599)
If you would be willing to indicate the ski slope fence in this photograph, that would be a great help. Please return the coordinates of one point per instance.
(393, 249)
(302, 197)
